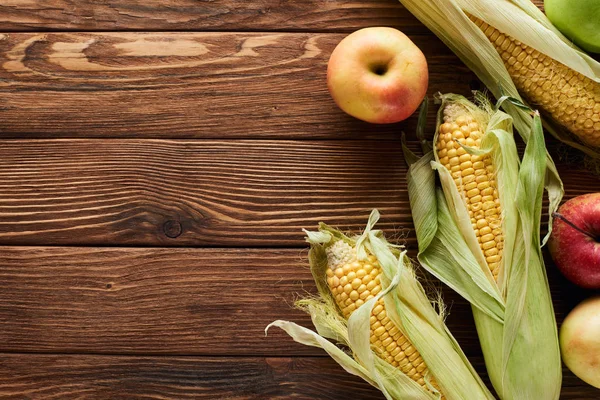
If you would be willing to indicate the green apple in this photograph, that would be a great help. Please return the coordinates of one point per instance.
(580, 341)
(377, 75)
(578, 20)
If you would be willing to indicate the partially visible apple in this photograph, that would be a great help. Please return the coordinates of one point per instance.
(580, 341)
(578, 20)
(377, 75)
(574, 242)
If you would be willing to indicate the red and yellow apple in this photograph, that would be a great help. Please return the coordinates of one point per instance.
(574, 242)
(377, 75)
(580, 341)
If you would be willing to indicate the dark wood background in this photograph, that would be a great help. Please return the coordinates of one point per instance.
(158, 160)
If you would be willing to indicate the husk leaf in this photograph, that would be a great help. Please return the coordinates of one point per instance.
(407, 305)
(522, 20)
(514, 316)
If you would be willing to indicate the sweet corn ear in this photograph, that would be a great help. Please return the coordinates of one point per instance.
(352, 283)
(571, 98)
(474, 177)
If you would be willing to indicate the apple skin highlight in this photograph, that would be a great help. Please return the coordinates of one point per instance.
(378, 75)
(576, 254)
(580, 341)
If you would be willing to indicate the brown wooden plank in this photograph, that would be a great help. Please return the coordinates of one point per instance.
(209, 302)
(159, 301)
(68, 377)
(26, 376)
(176, 301)
(149, 301)
(221, 15)
(226, 193)
(76, 376)
(215, 193)
(186, 301)
(184, 85)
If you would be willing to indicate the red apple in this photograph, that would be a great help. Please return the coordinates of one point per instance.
(377, 75)
(580, 341)
(574, 242)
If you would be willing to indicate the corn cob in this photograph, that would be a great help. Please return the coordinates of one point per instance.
(572, 99)
(502, 193)
(475, 179)
(353, 283)
(398, 344)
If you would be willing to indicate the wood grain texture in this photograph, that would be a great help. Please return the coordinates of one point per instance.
(212, 303)
(150, 301)
(176, 301)
(158, 301)
(219, 15)
(216, 15)
(225, 193)
(204, 193)
(187, 85)
(26, 376)
(75, 377)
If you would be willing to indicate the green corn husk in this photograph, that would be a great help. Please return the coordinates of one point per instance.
(407, 306)
(520, 19)
(514, 316)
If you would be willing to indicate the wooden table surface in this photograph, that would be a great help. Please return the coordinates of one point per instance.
(158, 160)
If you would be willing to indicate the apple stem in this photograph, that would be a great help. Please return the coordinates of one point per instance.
(572, 225)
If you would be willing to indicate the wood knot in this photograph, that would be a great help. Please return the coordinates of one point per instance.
(172, 228)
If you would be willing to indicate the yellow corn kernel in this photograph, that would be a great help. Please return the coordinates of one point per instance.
(572, 99)
(477, 182)
(362, 284)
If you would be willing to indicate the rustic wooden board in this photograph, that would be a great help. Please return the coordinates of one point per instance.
(187, 85)
(219, 15)
(27, 376)
(174, 301)
(156, 301)
(215, 193)
(186, 322)
(226, 193)
(77, 376)
(69, 377)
